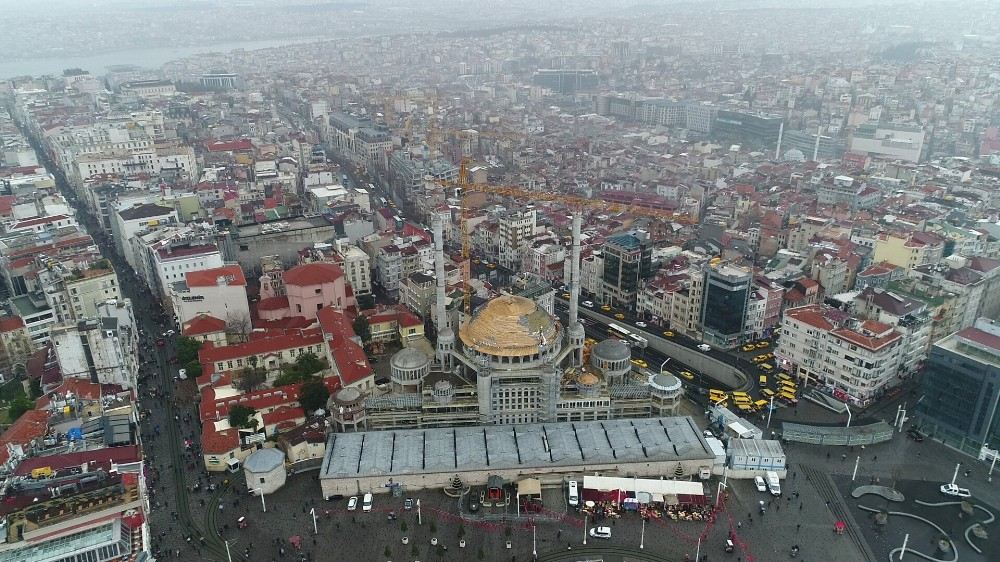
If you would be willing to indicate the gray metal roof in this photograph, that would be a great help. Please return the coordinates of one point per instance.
(264, 460)
(611, 349)
(496, 447)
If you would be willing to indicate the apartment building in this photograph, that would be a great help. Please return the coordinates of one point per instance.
(908, 249)
(220, 292)
(853, 360)
(513, 231)
(627, 265)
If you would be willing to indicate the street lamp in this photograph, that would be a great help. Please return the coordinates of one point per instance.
(262, 504)
(642, 537)
(848, 410)
(584, 529)
(664, 364)
(770, 408)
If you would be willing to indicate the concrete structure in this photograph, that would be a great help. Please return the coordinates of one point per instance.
(891, 141)
(756, 455)
(91, 350)
(422, 459)
(264, 471)
(961, 389)
(284, 239)
(126, 222)
(171, 264)
(220, 292)
(908, 249)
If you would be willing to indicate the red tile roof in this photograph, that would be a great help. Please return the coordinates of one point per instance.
(980, 337)
(233, 274)
(30, 426)
(273, 303)
(218, 442)
(37, 220)
(203, 324)
(284, 415)
(811, 314)
(315, 273)
(80, 388)
(241, 145)
(11, 323)
(95, 459)
(872, 343)
(293, 339)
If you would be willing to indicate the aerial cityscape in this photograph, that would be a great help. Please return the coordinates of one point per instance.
(327, 280)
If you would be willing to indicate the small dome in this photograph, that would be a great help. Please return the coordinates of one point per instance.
(264, 460)
(347, 396)
(409, 358)
(611, 349)
(664, 382)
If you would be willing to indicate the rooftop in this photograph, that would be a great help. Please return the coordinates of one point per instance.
(523, 447)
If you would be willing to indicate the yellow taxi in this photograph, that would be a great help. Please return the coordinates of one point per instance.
(763, 380)
(477, 261)
(668, 334)
(619, 316)
(763, 345)
(491, 265)
(606, 307)
(687, 374)
(748, 347)
(640, 363)
(565, 295)
(766, 367)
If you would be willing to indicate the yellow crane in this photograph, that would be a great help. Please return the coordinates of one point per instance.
(576, 203)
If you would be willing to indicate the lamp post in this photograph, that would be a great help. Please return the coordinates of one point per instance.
(534, 546)
(855, 473)
(262, 504)
(228, 556)
(770, 408)
(584, 528)
(697, 554)
(315, 528)
(848, 410)
(664, 364)
(642, 535)
(993, 463)
(902, 551)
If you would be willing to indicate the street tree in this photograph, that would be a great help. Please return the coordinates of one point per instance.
(250, 379)
(362, 328)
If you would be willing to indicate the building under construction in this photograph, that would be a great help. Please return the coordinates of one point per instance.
(511, 362)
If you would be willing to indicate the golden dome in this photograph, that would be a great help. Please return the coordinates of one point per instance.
(588, 379)
(510, 326)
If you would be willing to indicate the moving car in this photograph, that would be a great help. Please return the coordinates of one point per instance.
(606, 307)
(640, 324)
(748, 347)
(758, 481)
(763, 344)
(620, 316)
(588, 304)
(408, 504)
(601, 532)
(704, 347)
(566, 295)
(352, 503)
(687, 374)
(640, 363)
(915, 434)
(952, 490)
(668, 334)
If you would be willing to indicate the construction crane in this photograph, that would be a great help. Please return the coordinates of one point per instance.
(574, 202)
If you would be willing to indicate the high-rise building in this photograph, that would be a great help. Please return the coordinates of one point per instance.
(961, 389)
(724, 305)
(627, 262)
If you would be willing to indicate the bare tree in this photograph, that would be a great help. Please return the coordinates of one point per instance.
(238, 326)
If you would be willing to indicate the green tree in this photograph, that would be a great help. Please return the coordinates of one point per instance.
(362, 329)
(387, 552)
(18, 407)
(250, 379)
(309, 364)
(187, 350)
(239, 416)
(415, 550)
(481, 554)
(434, 527)
(313, 395)
(402, 526)
(35, 386)
(193, 369)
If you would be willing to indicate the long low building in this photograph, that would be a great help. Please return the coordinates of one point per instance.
(429, 458)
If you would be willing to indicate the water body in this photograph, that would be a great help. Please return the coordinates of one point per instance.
(146, 58)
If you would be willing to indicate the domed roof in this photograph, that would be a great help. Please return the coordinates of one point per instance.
(588, 379)
(409, 358)
(347, 396)
(510, 326)
(264, 460)
(611, 349)
(664, 381)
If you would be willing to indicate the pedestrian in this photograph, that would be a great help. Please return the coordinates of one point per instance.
(739, 524)
(874, 458)
(800, 506)
(797, 527)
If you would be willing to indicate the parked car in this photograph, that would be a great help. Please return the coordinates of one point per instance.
(954, 490)
(758, 481)
(601, 532)
(352, 503)
(408, 504)
(915, 434)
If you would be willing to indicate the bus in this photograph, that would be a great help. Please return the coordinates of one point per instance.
(638, 341)
(617, 331)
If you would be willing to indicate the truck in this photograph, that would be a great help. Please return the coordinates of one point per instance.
(773, 484)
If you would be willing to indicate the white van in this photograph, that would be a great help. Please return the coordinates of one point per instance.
(773, 484)
(574, 493)
(366, 503)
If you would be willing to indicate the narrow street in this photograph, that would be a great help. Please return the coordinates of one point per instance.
(170, 432)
